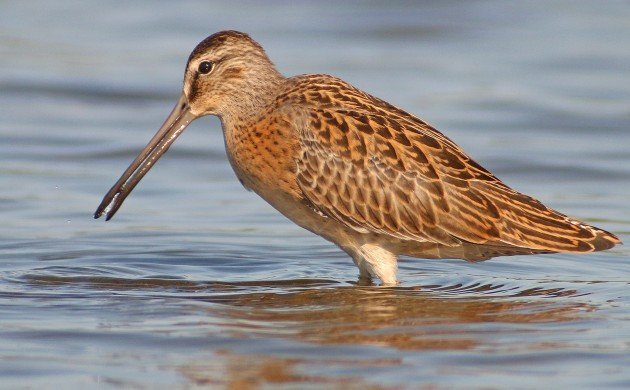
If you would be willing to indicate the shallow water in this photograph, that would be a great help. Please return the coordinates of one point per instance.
(197, 282)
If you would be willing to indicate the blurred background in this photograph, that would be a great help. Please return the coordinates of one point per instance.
(198, 282)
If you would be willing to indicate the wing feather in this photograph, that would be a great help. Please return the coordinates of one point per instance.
(376, 168)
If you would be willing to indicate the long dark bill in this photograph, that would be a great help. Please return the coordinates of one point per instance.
(176, 122)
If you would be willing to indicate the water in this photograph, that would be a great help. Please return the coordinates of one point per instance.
(197, 282)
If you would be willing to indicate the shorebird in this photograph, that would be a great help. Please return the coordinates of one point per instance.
(375, 180)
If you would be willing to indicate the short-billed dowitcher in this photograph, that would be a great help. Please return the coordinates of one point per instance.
(370, 177)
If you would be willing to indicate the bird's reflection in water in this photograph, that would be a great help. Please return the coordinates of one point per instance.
(432, 317)
(296, 318)
(321, 311)
(237, 371)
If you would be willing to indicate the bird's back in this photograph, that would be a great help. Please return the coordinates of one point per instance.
(380, 170)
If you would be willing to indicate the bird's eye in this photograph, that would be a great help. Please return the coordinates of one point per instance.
(205, 67)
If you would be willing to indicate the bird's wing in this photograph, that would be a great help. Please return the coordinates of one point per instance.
(376, 168)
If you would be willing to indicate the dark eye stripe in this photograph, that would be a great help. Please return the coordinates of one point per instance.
(205, 67)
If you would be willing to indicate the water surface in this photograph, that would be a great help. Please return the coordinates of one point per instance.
(197, 282)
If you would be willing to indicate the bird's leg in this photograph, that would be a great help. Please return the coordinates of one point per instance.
(365, 281)
(373, 260)
(365, 278)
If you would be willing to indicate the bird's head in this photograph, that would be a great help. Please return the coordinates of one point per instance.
(229, 75)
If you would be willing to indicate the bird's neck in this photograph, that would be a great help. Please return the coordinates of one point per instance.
(256, 95)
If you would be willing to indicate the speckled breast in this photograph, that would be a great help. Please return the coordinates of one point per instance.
(262, 155)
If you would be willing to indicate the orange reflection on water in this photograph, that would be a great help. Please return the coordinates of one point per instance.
(402, 318)
(239, 372)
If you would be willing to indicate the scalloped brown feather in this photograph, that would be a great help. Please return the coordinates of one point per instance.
(376, 168)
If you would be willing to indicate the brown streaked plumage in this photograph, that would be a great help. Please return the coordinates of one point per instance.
(370, 177)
